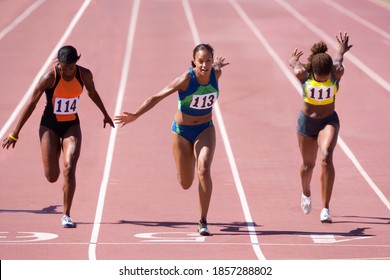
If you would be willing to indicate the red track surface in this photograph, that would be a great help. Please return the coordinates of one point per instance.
(145, 214)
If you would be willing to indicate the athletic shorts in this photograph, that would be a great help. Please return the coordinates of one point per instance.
(190, 132)
(311, 127)
(59, 127)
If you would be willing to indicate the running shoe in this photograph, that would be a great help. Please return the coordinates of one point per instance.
(305, 204)
(67, 222)
(325, 216)
(202, 228)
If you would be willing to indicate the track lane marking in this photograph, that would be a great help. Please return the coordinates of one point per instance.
(113, 134)
(357, 18)
(297, 86)
(229, 151)
(20, 18)
(222, 244)
(371, 73)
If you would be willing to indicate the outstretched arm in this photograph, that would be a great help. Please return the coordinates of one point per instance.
(93, 94)
(343, 48)
(45, 82)
(180, 83)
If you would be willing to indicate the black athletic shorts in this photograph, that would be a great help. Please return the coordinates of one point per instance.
(311, 127)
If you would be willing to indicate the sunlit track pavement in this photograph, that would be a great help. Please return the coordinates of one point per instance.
(133, 208)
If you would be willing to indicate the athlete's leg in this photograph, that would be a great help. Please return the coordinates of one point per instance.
(204, 152)
(71, 146)
(327, 140)
(308, 147)
(184, 160)
(50, 151)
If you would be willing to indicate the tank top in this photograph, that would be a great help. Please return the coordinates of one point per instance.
(318, 93)
(197, 99)
(62, 100)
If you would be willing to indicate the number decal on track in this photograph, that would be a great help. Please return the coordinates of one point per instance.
(22, 236)
(170, 237)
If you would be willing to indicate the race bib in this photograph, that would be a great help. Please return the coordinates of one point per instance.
(320, 93)
(66, 106)
(204, 101)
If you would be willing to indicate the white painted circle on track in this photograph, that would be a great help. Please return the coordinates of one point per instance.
(167, 237)
(29, 236)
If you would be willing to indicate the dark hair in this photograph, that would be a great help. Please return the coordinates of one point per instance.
(67, 54)
(202, 47)
(319, 61)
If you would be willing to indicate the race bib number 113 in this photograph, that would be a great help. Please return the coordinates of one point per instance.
(203, 101)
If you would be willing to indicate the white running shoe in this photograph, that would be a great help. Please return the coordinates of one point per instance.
(67, 222)
(325, 216)
(202, 228)
(305, 204)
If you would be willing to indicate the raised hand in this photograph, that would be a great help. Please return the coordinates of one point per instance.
(220, 61)
(343, 42)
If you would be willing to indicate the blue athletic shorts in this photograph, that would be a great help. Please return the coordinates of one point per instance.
(190, 132)
(311, 127)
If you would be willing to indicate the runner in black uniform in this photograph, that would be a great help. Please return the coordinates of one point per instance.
(60, 125)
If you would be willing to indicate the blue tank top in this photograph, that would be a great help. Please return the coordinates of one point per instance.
(198, 100)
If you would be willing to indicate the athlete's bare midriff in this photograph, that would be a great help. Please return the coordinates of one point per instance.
(183, 119)
(317, 111)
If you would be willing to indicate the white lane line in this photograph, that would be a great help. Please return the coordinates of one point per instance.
(371, 73)
(229, 151)
(297, 86)
(20, 18)
(47, 63)
(357, 18)
(363, 172)
(111, 144)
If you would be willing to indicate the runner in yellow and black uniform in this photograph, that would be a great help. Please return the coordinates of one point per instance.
(318, 122)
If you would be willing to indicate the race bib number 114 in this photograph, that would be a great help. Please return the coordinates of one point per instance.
(66, 106)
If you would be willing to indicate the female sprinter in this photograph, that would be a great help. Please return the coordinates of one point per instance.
(60, 126)
(318, 123)
(193, 130)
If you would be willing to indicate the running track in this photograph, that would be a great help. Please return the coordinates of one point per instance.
(128, 205)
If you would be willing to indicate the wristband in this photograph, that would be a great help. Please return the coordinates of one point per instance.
(12, 137)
